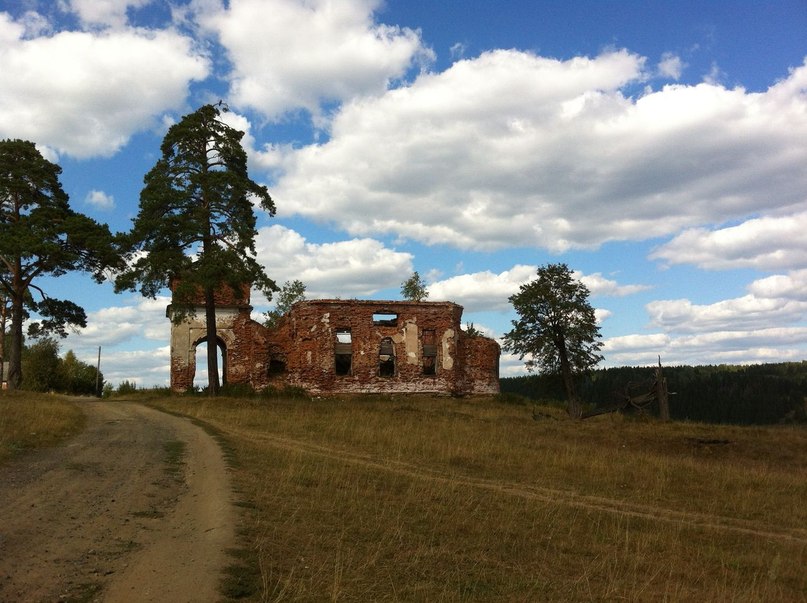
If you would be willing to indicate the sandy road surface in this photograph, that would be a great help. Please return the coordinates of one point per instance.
(111, 517)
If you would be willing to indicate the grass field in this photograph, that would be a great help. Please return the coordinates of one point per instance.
(441, 499)
(30, 420)
(423, 499)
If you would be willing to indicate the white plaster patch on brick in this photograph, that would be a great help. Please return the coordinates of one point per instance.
(448, 359)
(410, 333)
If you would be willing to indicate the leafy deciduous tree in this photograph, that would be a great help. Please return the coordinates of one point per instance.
(414, 289)
(40, 235)
(78, 377)
(195, 230)
(44, 370)
(41, 362)
(290, 293)
(556, 328)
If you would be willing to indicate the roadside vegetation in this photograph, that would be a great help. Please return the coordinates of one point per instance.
(29, 420)
(421, 498)
(44, 370)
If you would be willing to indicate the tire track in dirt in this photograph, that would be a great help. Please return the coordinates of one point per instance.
(550, 496)
(100, 518)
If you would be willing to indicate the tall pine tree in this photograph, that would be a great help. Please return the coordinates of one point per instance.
(195, 231)
(40, 235)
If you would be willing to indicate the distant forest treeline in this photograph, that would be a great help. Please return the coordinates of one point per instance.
(760, 394)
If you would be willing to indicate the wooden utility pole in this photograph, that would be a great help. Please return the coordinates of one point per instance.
(98, 374)
(661, 394)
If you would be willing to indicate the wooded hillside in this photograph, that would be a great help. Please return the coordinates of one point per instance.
(745, 395)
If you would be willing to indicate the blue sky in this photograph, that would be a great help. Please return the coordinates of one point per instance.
(655, 147)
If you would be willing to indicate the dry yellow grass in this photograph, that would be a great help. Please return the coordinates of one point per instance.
(456, 500)
(29, 420)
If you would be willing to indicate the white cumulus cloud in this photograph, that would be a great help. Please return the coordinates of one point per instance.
(748, 311)
(775, 344)
(766, 243)
(765, 325)
(488, 291)
(100, 200)
(510, 148)
(671, 66)
(482, 291)
(598, 285)
(289, 54)
(85, 94)
(114, 325)
(111, 13)
(351, 268)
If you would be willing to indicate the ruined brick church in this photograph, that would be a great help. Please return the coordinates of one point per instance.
(342, 346)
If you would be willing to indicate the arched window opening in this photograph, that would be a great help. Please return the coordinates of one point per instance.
(386, 358)
(277, 361)
(200, 376)
(277, 366)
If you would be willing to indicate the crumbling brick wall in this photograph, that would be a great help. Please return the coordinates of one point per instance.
(481, 365)
(360, 346)
(348, 346)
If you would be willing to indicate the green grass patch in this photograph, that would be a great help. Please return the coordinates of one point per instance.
(33, 420)
(242, 578)
(174, 458)
(150, 513)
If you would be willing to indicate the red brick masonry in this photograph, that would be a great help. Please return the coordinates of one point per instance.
(344, 346)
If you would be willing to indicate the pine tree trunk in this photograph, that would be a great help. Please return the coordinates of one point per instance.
(3, 317)
(212, 344)
(15, 349)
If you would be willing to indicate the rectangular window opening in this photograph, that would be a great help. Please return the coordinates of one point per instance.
(429, 340)
(386, 358)
(385, 319)
(343, 352)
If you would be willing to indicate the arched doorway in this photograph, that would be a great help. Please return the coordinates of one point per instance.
(200, 374)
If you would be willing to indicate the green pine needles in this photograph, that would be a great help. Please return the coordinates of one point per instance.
(196, 227)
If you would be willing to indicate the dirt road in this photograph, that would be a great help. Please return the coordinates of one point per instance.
(136, 508)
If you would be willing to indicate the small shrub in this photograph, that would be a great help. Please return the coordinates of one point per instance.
(237, 390)
(127, 387)
(291, 391)
(511, 398)
(288, 391)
